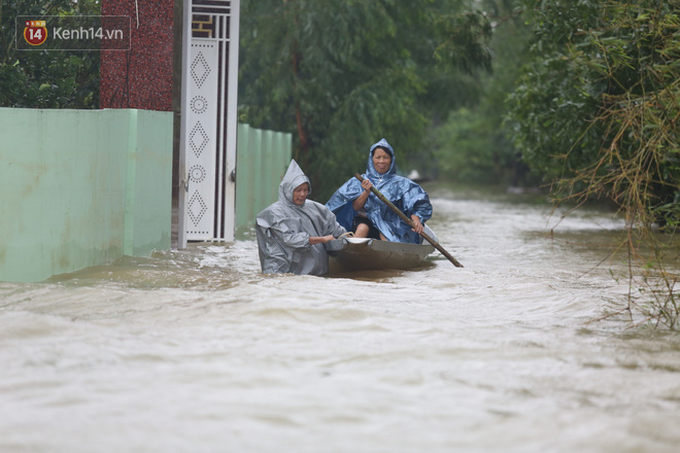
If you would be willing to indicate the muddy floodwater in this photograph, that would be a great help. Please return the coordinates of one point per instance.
(196, 351)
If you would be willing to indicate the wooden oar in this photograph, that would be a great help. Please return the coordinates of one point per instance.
(409, 222)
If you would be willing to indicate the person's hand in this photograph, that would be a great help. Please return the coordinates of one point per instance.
(366, 185)
(313, 240)
(417, 225)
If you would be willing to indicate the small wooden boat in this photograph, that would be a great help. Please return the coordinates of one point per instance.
(355, 254)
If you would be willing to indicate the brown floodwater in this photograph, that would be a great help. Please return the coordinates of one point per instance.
(196, 351)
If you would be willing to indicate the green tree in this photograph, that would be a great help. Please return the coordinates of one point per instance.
(341, 74)
(46, 79)
(597, 109)
(603, 83)
(474, 145)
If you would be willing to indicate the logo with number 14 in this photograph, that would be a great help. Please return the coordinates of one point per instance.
(35, 32)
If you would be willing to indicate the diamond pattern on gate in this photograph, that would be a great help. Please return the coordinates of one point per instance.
(200, 133)
(197, 208)
(199, 69)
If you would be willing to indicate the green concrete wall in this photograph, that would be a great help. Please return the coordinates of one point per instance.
(81, 188)
(262, 158)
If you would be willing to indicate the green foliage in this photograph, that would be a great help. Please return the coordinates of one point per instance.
(473, 145)
(601, 94)
(462, 48)
(341, 74)
(554, 100)
(470, 149)
(42, 79)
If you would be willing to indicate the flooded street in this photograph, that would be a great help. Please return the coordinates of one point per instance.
(196, 351)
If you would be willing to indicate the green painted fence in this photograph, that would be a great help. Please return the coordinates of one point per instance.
(262, 158)
(81, 188)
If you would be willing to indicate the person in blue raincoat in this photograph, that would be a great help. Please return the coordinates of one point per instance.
(358, 209)
(291, 232)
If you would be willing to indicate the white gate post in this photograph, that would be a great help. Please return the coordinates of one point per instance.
(184, 102)
(209, 121)
(232, 126)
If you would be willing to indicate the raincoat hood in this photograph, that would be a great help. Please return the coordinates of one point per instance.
(284, 230)
(371, 172)
(293, 178)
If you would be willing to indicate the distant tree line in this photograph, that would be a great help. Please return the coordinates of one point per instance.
(341, 74)
(523, 92)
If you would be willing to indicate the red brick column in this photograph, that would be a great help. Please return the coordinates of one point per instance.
(140, 78)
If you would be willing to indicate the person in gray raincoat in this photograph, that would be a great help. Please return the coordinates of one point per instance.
(291, 232)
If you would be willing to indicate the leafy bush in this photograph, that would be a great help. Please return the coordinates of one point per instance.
(46, 79)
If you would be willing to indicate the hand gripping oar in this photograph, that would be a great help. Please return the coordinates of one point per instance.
(409, 222)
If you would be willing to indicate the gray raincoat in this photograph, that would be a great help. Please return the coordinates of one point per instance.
(284, 228)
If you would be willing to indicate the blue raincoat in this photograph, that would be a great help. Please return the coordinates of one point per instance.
(405, 194)
(284, 228)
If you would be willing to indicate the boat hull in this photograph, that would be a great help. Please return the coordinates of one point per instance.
(350, 254)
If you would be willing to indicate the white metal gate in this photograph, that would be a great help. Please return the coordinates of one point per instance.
(210, 129)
